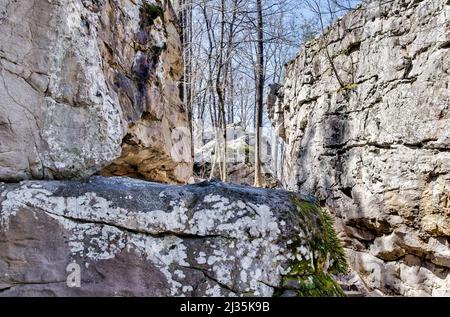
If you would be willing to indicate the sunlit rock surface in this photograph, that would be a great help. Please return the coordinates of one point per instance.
(240, 156)
(89, 86)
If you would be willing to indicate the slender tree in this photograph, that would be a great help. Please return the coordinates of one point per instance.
(259, 91)
(234, 49)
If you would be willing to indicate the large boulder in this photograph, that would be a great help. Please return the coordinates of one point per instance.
(375, 150)
(128, 237)
(240, 146)
(91, 86)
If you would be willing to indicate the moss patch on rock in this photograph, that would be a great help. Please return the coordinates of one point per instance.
(348, 87)
(317, 254)
(151, 12)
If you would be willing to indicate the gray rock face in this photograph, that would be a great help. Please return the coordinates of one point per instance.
(376, 150)
(134, 238)
(87, 86)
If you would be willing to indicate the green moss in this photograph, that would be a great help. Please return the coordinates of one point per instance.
(348, 87)
(75, 151)
(151, 12)
(311, 274)
(314, 285)
(249, 149)
(304, 124)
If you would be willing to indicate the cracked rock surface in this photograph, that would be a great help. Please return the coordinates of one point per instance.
(376, 149)
(136, 238)
(91, 86)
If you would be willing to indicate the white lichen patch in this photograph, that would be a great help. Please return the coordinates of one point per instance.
(187, 289)
(201, 258)
(13, 201)
(92, 207)
(239, 243)
(80, 139)
(215, 291)
(256, 250)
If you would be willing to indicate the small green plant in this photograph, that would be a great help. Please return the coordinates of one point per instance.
(348, 87)
(318, 254)
(304, 124)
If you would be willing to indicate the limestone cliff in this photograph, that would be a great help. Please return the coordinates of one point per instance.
(93, 87)
(89, 86)
(365, 114)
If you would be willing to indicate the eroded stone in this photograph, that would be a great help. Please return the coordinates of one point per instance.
(376, 151)
(91, 86)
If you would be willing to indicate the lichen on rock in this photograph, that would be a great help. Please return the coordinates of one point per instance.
(208, 239)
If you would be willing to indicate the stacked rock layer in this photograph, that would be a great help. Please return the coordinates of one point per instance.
(365, 114)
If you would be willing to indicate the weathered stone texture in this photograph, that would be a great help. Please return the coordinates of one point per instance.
(376, 149)
(87, 86)
(136, 238)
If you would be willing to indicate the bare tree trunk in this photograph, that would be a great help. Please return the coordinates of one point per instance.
(186, 39)
(220, 90)
(231, 97)
(214, 159)
(231, 50)
(259, 93)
